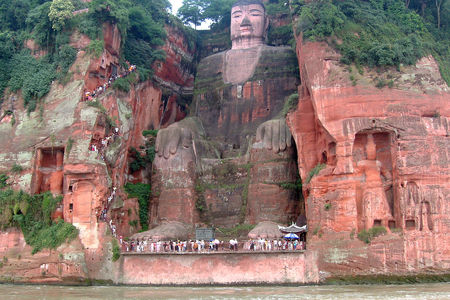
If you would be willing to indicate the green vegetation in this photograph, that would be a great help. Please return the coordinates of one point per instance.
(237, 231)
(97, 104)
(368, 235)
(289, 105)
(200, 203)
(60, 12)
(139, 161)
(327, 206)
(292, 185)
(22, 20)
(151, 132)
(319, 167)
(194, 12)
(3, 181)
(50, 24)
(282, 35)
(142, 161)
(32, 213)
(379, 33)
(95, 48)
(142, 192)
(277, 7)
(33, 76)
(115, 250)
(225, 170)
(69, 146)
(316, 230)
(16, 168)
(123, 84)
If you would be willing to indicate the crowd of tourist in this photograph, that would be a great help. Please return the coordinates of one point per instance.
(100, 146)
(270, 245)
(201, 246)
(90, 95)
(103, 214)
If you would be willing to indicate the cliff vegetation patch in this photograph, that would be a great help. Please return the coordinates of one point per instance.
(35, 39)
(368, 235)
(142, 192)
(32, 214)
(379, 33)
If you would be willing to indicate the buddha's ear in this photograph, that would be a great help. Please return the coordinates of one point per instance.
(266, 26)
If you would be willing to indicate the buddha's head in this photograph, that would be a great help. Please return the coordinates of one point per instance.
(249, 24)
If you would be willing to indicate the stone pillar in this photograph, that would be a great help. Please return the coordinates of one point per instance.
(37, 173)
(56, 179)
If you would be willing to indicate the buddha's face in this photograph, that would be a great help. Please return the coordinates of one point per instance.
(248, 22)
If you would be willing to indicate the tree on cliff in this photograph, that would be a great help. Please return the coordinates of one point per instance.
(196, 11)
(144, 36)
(439, 10)
(378, 33)
(115, 11)
(191, 12)
(60, 12)
(218, 11)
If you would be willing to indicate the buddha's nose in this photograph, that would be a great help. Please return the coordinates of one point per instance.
(246, 22)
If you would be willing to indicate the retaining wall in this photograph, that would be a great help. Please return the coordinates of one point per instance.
(218, 268)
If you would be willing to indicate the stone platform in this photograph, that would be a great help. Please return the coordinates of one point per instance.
(249, 267)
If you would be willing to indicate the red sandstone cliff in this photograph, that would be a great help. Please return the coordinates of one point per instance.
(385, 153)
(52, 145)
(385, 156)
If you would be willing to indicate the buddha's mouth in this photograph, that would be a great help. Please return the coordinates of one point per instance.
(245, 28)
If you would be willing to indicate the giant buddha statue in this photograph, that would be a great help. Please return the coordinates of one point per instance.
(233, 159)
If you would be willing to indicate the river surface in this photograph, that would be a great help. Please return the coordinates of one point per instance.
(439, 291)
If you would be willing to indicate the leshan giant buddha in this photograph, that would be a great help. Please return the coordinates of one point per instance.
(233, 160)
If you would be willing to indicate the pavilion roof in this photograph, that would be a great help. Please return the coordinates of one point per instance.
(293, 228)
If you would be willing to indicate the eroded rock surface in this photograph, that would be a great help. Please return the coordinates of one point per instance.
(385, 163)
(53, 146)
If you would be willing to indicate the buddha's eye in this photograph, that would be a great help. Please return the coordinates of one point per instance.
(255, 13)
(237, 15)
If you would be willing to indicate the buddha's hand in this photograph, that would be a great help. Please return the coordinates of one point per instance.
(275, 135)
(172, 138)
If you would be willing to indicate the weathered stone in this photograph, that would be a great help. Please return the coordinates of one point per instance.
(384, 153)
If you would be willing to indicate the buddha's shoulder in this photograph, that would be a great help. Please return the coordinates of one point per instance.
(210, 68)
(214, 58)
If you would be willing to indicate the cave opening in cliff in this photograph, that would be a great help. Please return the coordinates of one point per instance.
(410, 224)
(113, 70)
(48, 175)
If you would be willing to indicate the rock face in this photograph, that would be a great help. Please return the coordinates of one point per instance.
(237, 90)
(367, 157)
(384, 154)
(53, 147)
(214, 170)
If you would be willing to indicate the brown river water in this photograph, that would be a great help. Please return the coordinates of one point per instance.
(439, 291)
